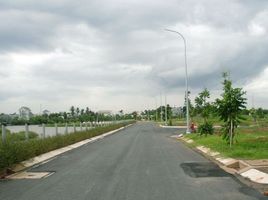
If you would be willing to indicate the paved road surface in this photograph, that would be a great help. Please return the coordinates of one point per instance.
(139, 163)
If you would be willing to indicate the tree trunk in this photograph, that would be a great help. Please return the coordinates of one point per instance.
(231, 133)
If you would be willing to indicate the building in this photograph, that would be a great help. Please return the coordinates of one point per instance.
(25, 113)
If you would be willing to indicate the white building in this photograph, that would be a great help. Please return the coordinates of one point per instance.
(25, 113)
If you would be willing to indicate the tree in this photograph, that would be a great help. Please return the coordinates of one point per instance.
(253, 114)
(260, 113)
(201, 105)
(77, 111)
(229, 108)
(87, 111)
(135, 114)
(203, 108)
(82, 111)
(72, 109)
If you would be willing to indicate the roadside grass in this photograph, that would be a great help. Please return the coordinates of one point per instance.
(196, 120)
(250, 143)
(20, 136)
(248, 121)
(13, 152)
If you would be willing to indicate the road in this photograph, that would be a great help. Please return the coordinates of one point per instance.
(139, 163)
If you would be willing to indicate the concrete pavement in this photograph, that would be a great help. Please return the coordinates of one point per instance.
(140, 162)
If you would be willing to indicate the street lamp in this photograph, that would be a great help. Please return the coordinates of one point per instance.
(186, 77)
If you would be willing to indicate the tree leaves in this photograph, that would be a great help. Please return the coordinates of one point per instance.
(229, 108)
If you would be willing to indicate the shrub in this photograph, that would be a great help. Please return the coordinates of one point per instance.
(206, 128)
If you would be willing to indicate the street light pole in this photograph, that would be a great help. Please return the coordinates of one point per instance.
(186, 77)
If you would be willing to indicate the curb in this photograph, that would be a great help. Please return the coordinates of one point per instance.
(46, 157)
(233, 166)
(163, 126)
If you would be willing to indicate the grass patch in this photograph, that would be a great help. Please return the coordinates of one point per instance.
(248, 121)
(20, 136)
(13, 152)
(250, 143)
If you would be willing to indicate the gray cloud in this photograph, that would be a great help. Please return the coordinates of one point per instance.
(109, 53)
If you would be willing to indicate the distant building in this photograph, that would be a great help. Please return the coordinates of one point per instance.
(25, 113)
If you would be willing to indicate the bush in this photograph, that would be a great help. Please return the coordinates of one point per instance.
(206, 128)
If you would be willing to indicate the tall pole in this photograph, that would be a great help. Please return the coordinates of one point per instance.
(156, 109)
(166, 109)
(161, 114)
(186, 78)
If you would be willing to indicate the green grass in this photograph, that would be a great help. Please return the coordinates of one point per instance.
(216, 121)
(197, 120)
(13, 152)
(251, 143)
(20, 136)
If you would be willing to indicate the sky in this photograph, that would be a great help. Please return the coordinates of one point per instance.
(116, 54)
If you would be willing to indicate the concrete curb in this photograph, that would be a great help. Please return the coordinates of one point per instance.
(163, 126)
(46, 157)
(232, 165)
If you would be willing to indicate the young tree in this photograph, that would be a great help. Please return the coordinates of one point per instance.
(201, 105)
(229, 108)
(203, 108)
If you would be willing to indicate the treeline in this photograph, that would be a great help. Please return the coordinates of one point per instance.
(75, 114)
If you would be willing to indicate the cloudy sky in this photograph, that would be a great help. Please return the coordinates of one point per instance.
(115, 54)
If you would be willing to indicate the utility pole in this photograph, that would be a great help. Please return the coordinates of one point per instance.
(156, 109)
(166, 109)
(161, 111)
(186, 79)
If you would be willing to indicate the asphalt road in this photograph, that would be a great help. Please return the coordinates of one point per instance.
(139, 163)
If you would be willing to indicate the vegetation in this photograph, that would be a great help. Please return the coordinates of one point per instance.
(203, 108)
(20, 136)
(14, 152)
(229, 108)
(206, 128)
(251, 143)
(74, 115)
